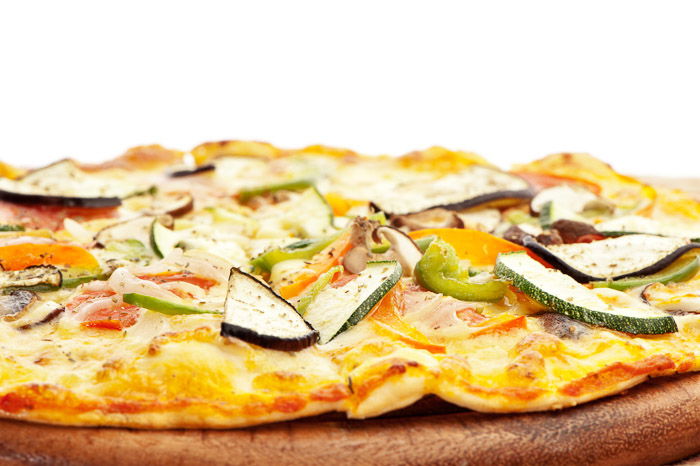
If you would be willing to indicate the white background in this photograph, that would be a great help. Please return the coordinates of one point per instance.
(512, 81)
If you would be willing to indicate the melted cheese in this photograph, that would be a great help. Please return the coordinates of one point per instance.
(176, 371)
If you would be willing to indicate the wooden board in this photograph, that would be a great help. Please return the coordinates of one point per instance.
(654, 423)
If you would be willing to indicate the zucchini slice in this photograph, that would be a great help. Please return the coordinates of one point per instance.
(679, 271)
(561, 293)
(6, 227)
(476, 185)
(552, 211)
(306, 213)
(294, 185)
(254, 313)
(138, 228)
(612, 258)
(163, 240)
(336, 309)
(574, 197)
(312, 213)
(36, 277)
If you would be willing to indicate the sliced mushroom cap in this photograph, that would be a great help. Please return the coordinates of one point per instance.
(174, 204)
(570, 230)
(37, 314)
(432, 218)
(355, 261)
(12, 304)
(361, 231)
(405, 249)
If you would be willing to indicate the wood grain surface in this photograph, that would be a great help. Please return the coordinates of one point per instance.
(655, 423)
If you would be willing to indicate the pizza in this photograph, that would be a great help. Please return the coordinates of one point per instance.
(240, 284)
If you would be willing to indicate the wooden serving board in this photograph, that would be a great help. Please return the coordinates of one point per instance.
(654, 423)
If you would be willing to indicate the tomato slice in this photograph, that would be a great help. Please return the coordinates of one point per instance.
(50, 217)
(111, 316)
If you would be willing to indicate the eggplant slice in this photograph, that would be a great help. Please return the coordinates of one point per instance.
(402, 246)
(63, 184)
(36, 277)
(612, 258)
(431, 218)
(62, 201)
(253, 312)
(635, 224)
(193, 171)
(474, 186)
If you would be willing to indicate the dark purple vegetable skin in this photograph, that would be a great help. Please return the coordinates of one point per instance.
(59, 201)
(519, 195)
(268, 341)
(532, 244)
(195, 171)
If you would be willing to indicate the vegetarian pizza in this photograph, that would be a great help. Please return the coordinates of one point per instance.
(240, 284)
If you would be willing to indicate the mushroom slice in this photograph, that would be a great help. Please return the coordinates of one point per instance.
(361, 231)
(12, 304)
(406, 250)
(356, 259)
(431, 218)
(37, 314)
(175, 204)
(37, 276)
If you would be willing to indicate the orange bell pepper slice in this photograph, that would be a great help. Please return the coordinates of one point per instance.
(320, 263)
(21, 256)
(500, 324)
(388, 321)
(341, 205)
(480, 248)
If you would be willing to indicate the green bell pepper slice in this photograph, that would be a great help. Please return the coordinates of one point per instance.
(313, 291)
(163, 306)
(439, 271)
(293, 185)
(303, 249)
(681, 270)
